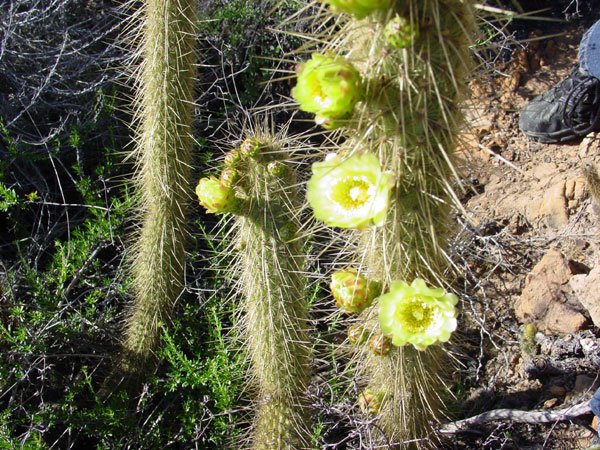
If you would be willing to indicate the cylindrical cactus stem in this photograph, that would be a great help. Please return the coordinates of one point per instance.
(417, 92)
(163, 150)
(271, 276)
(412, 56)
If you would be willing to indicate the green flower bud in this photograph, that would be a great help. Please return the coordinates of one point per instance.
(353, 292)
(328, 87)
(232, 158)
(358, 8)
(250, 148)
(417, 314)
(357, 334)
(216, 197)
(277, 168)
(380, 344)
(229, 176)
(353, 193)
(528, 343)
(400, 32)
(370, 402)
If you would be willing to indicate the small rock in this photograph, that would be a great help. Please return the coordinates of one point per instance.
(557, 391)
(581, 244)
(589, 346)
(590, 145)
(517, 224)
(551, 403)
(545, 298)
(586, 289)
(570, 189)
(554, 206)
(584, 384)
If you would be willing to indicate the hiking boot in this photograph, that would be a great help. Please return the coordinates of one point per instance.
(568, 110)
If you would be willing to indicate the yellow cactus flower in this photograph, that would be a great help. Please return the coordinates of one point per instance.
(216, 197)
(353, 292)
(417, 314)
(328, 87)
(400, 33)
(353, 193)
(358, 8)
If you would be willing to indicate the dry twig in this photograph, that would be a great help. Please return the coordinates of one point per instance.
(517, 416)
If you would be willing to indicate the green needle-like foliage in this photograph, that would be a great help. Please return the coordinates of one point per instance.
(163, 150)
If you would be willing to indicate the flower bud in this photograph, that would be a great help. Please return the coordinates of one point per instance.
(229, 176)
(277, 168)
(330, 87)
(358, 8)
(357, 334)
(232, 158)
(353, 292)
(400, 32)
(250, 147)
(370, 402)
(288, 232)
(215, 196)
(380, 344)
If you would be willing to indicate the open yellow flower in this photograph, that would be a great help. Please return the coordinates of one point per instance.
(328, 87)
(358, 8)
(417, 314)
(353, 193)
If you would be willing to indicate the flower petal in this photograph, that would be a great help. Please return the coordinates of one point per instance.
(353, 193)
(417, 314)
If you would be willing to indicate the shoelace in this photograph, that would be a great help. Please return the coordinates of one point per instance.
(575, 98)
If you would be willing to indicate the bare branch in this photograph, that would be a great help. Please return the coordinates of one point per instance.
(517, 416)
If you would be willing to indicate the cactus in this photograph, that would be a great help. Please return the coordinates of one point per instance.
(269, 269)
(162, 153)
(413, 58)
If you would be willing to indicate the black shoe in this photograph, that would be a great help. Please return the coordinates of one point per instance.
(568, 110)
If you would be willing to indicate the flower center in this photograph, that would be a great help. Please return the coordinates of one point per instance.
(323, 102)
(415, 316)
(352, 192)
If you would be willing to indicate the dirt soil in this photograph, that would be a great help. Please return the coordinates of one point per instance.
(533, 241)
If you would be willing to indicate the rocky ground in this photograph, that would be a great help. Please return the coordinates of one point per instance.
(533, 258)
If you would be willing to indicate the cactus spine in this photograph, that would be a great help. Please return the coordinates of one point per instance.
(413, 59)
(162, 153)
(270, 273)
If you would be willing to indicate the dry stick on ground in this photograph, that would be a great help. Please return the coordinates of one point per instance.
(517, 416)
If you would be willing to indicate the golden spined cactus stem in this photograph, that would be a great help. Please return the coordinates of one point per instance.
(417, 117)
(413, 58)
(272, 280)
(163, 151)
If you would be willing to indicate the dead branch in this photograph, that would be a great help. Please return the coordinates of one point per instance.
(517, 416)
